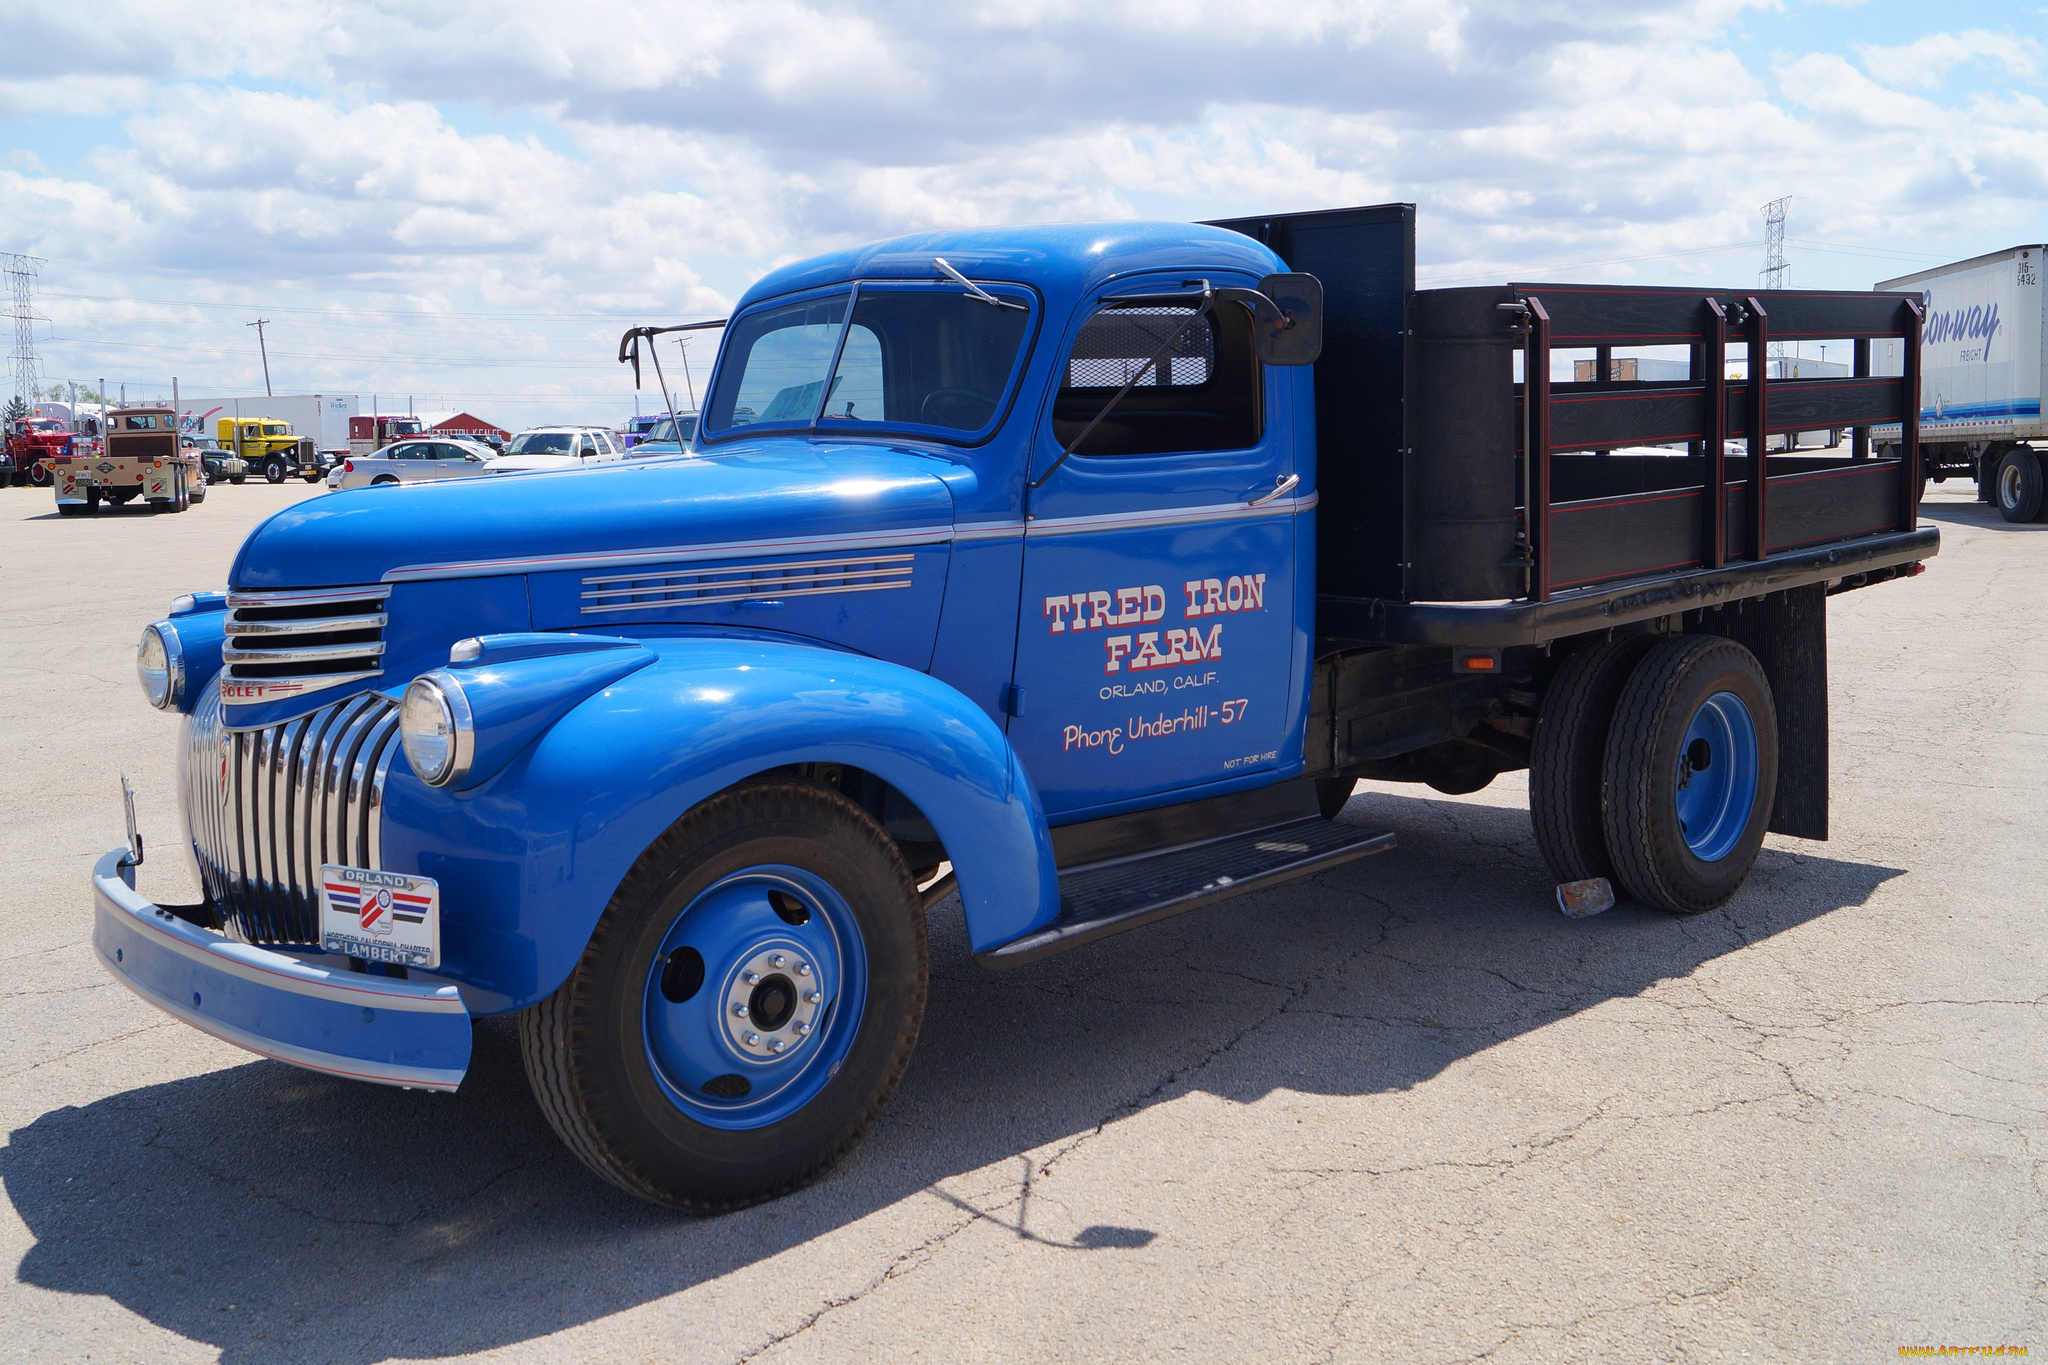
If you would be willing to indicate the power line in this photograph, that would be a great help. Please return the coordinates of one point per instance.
(1581, 265)
(370, 312)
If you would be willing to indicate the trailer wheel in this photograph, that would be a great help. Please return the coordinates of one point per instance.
(2019, 485)
(92, 499)
(1691, 773)
(273, 470)
(1569, 754)
(745, 1007)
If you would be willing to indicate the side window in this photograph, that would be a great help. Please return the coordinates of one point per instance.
(1202, 395)
(408, 452)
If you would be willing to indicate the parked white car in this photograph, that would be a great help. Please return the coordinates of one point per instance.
(414, 460)
(558, 448)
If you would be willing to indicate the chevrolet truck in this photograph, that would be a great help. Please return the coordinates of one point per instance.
(1079, 572)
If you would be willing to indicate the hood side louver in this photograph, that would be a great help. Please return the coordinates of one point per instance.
(286, 644)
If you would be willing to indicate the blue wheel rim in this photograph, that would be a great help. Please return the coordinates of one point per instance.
(741, 929)
(1717, 776)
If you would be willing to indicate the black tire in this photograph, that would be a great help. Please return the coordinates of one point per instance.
(69, 509)
(273, 471)
(385, 478)
(586, 1051)
(1646, 744)
(237, 478)
(314, 478)
(2017, 487)
(92, 499)
(39, 476)
(1568, 758)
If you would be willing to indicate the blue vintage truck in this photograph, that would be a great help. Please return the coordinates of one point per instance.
(1080, 570)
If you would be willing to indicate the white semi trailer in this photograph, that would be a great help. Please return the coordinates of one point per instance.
(1983, 363)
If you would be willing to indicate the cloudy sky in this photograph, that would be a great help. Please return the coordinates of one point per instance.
(464, 201)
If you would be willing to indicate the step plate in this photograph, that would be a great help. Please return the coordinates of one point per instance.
(1108, 898)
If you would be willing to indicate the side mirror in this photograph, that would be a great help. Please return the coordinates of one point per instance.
(1287, 318)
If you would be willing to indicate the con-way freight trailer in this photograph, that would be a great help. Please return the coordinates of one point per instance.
(1983, 367)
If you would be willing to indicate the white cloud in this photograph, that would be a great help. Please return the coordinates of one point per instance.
(1926, 62)
(546, 157)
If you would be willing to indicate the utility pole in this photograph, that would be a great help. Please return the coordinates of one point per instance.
(259, 324)
(21, 277)
(1773, 274)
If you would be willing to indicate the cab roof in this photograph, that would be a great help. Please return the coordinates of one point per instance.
(1062, 262)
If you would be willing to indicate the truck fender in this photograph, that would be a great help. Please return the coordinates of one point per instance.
(529, 858)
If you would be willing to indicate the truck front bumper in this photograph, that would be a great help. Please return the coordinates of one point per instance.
(339, 1023)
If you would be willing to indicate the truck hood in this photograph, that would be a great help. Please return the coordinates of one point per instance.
(772, 492)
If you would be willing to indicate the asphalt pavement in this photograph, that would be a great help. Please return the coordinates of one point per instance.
(1403, 1111)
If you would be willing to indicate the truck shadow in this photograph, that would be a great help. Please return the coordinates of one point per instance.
(1960, 513)
(275, 1214)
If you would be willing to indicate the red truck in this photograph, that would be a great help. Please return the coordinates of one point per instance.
(31, 441)
(371, 433)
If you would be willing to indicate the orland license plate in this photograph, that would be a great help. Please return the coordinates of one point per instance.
(381, 916)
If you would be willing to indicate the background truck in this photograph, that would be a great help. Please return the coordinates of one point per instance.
(1984, 366)
(140, 457)
(1081, 571)
(271, 448)
(320, 420)
(370, 433)
(29, 445)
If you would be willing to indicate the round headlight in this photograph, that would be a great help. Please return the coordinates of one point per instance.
(160, 665)
(434, 725)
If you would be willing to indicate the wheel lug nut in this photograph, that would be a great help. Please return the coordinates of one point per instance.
(815, 997)
(753, 1040)
(779, 960)
(803, 969)
(777, 1045)
(803, 1030)
(752, 978)
(739, 1011)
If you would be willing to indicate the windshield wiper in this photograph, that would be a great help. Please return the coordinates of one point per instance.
(976, 290)
(1194, 315)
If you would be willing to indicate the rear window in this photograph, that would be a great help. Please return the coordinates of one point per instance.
(543, 443)
(1202, 395)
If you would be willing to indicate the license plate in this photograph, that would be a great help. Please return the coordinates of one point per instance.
(381, 916)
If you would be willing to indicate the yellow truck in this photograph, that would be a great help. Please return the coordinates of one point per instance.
(271, 448)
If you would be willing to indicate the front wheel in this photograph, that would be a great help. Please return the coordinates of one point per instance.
(237, 478)
(746, 1006)
(39, 476)
(273, 471)
(1691, 773)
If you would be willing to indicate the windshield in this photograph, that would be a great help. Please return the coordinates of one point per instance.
(405, 428)
(138, 424)
(543, 443)
(665, 430)
(276, 429)
(915, 355)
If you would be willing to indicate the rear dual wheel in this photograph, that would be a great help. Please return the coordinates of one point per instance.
(746, 1006)
(2018, 488)
(1687, 742)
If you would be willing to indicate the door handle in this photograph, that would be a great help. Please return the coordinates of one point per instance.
(1277, 489)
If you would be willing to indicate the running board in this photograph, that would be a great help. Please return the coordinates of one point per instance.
(1107, 898)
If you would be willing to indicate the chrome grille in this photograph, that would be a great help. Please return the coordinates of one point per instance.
(751, 582)
(267, 807)
(286, 644)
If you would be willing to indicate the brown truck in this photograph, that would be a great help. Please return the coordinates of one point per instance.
(142, 458)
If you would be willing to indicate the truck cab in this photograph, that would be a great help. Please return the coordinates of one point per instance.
(1077, 572)
(268, 446)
